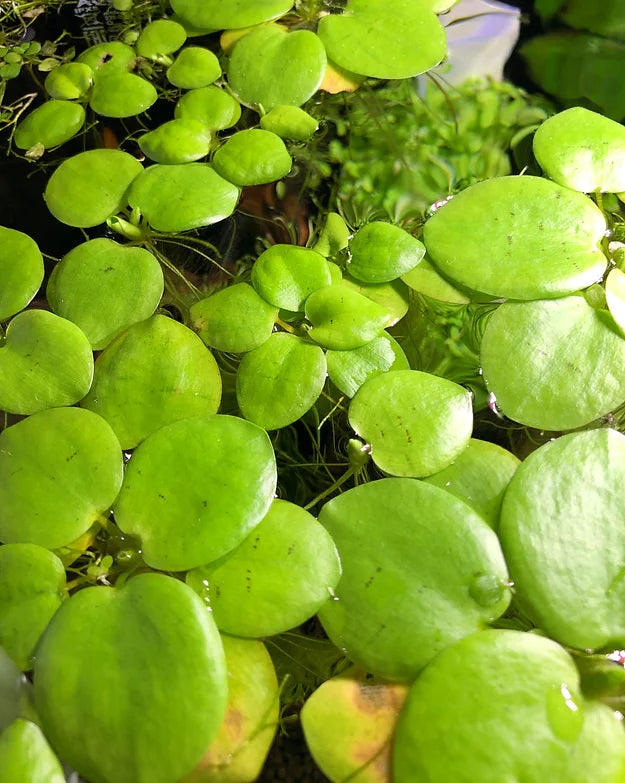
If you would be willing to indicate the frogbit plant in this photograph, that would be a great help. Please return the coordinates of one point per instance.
(188, 474)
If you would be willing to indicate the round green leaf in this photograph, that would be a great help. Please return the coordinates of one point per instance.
(141, 699)
(32, 587)
(393, 297)
(114, 54)
(381, 252)
(252, 716)
(212, 106)
(252, 157)
(420, 570)
(21, 271)
(290, 122)
(89, 187)
(348, 370)
(217, 15)
(416, 423)
(176, 141)
(257, 72)
(156, 372)
(615, 296)
(540, 241)
(517, 715)
(234, 319)
(25, 755)
(554, 364)
(69, 81)
(479, 475)
(177, 198)
(51, 124)
(120, 94)
(280, 381)
(387, 39)
(343, 319)
(104, 288)
(245, 588)
(562, 531)
(73, 459)
(361, 711)
(45, 362)
(194, 67)
(195, 489)
(160, 38)
(583, 150)
(286, 275)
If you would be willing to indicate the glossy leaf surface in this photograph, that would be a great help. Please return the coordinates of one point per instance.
(74, 459)
(217, 15)
(21, 271)
(173, 665)
(381, 252)
(554, 364)
(280, 381)
(89, 187)
(193, 68)
(105, 287)
(119, 94)
(212, 106)
(246, 588)
(542, 240)
(32, 587)
(45, 362)
(195, 489)
(420, 570)
(416, 423)
(290, 122)
(343, 319)
(25, 755)
(157, 372)
(69, 81)
(177, 198)
(51, 124)
(252, 157)
(160, 38)
(348, 370)
(286, 275)
(176, 141)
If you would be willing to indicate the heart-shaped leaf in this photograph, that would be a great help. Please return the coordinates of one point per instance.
(479, 475)
(32, 587)
(348, 370)
(21, 271)
(583, 150)
(416, 423)
(195, 489)
(362, 711)
(90, 187)
(212, 106)
(245, 588)
(155, 640)
(177, 198)
(257, 73)
(176, 141)
(160, 38)
(280, 381)
(381, 252)
(51, 124)
(120, 94)
(157, 372)
(194, 67)
(387, 39)
(286, 275)
(343, 319)
(571, 585)
(542, 239)
(25, 755)
(105, 287)
(553, 364)
(252, 157)
(217, 15)
(45, 362)
(235, 319)
(516, 694)
(112, 54)
(73, 459)
(238, 751)
(420, 570)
